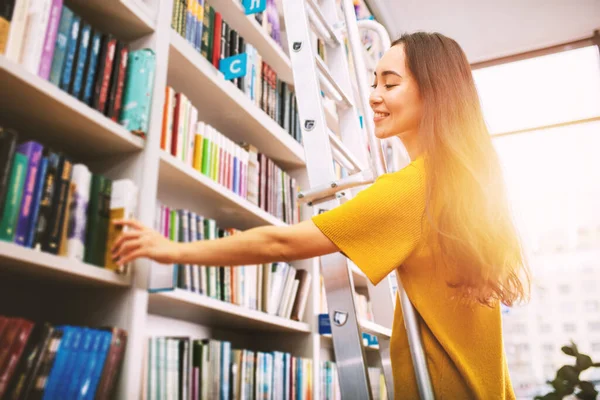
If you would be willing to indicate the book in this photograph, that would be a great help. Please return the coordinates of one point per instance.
(123, 205)
(60, 45)
(76, 231)
(8, 144)
(14, 195)
(33, 152)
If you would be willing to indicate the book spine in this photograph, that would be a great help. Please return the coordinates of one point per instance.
(46, 202)
(79, 63)
(123, 204)
(37, 23)
(37, 197)
(8, 144)
(60, 46)
(14, 196)
(33, 151)
(50, 39)
(16, 34)
(113, 81)
(103, 80)
(78, 218)
(59, 205)
(116, 111)
(91, 68)
(135, 115)
(70, 53)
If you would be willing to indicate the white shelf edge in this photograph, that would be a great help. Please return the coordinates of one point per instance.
(374, 329)
(66, 100)
(59, 266)
(142, 11)
(217, 188)
(234, 310)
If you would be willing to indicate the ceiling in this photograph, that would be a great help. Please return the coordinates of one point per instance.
(488, 29)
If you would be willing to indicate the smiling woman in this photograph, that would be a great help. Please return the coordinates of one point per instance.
(442, 221)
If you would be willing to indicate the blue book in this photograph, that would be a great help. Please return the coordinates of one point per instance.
(60, 48)
(79, 64)
(199, 26)
(35, 203)
(91, 68)
(33, 151)
(83, 356)
(225, 369)
(70, 363)
(89, 369)
(60, 362)
(236, 173)
(67, 72)
(106, 338)
(135, 111)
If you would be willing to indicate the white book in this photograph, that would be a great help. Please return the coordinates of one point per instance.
(35, 34)
(278, 282)
(192, 134)
(16, 33)
(123, 205)
(292, 299)
(180, 127)
(81, 177)
(285, 292)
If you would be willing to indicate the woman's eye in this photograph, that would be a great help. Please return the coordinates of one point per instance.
(374, 85)
(389, 86)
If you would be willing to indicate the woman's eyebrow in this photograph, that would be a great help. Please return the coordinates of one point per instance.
(388, 72)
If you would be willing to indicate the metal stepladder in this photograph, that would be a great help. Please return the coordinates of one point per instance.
(304, 18)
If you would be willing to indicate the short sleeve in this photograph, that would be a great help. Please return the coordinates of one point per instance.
(381, 226)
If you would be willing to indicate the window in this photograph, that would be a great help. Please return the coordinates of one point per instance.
(592, 305)
(545, 328)
(596, 347)
(564, 289)
(548, 348)
(569, 327)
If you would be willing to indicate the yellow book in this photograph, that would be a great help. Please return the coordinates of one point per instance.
(123, 203)
(197, 162)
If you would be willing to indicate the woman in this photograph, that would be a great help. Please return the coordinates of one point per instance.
(443, 219)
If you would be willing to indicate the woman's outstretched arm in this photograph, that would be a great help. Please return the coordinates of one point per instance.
(254, 246)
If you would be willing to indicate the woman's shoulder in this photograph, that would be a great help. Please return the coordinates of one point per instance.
(413, 174)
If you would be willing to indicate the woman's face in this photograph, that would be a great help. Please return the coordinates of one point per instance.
(395, 98)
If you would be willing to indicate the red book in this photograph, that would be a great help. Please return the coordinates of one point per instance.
(175, 132)
(14, 354)
(105, 79)
(120, 83)
(218, 25)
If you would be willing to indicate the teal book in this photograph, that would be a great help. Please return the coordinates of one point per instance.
(60, 48)
(14, 195)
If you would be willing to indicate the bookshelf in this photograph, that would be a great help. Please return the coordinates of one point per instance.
(225, 107)
(39, 265)
(217, 201)
(206, 311)
(52, 116)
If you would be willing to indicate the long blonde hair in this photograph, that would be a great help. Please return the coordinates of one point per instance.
(472, 222)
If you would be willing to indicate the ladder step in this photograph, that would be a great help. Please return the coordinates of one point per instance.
(374, 329)
(330, 85)
(343, 155)
(321, 193)
(321, 26)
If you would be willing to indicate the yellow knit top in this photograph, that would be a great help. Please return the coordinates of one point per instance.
(381, 229)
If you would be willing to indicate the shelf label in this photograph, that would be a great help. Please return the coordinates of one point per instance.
(254, 6)
(234, 66)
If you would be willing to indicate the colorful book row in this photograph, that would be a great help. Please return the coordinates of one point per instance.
(45, 361)
(50, 204)
(206, 31)
(49, 40)
(205, 369)
(277, 289)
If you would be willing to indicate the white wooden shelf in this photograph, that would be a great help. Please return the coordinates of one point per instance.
(247, 26)
(217, 202)
(126, 19)
(221, 104)
(39, 265)
(203, 310)
(374, 329)
(359, 277)
(40, 110)
(327, 342)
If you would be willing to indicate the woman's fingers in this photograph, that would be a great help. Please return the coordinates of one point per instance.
(132, 223)
(127, 247)
(124, 237)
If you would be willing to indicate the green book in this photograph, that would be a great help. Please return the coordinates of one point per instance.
(215, 162)
(12, 205)
(98, 218)
(206, 154)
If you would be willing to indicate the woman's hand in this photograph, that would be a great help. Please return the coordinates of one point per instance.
(140, 241)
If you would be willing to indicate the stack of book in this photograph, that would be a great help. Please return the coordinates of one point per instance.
(41, 360)
(49, 40)
(183, 367)
(51, 204)
(277, 289)
(206, 31)
(330, 385)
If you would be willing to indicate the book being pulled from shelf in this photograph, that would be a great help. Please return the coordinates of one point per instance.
(50, 204)
(182, 367)
(278, 288)
(50, 40)
(41, 360)
(206, 31)
(330, 386)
